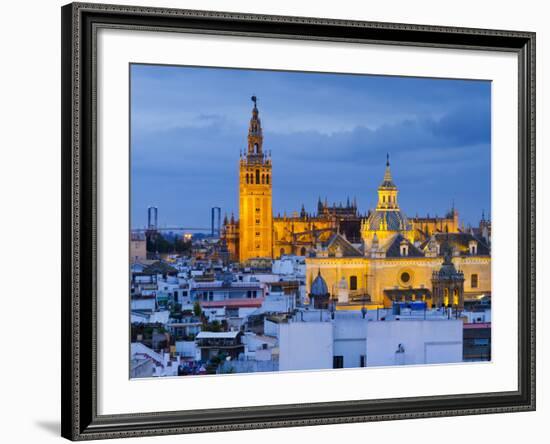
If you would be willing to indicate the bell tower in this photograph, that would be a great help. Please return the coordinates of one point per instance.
(387, 191)
(255, 198)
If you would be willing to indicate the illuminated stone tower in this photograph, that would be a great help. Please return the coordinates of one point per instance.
(255, 210)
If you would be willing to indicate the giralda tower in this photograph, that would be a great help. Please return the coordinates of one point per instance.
(255, 208)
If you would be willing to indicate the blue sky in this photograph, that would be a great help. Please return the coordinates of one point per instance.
(328, 135)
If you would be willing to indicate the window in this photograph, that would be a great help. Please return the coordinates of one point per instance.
(257, 176)
(267, 179)
(362, 361)
(257, 210)
(247, 178)
(473, 282)
(257, 233)
(405, 277)
(263, 178)
(338, 362)
(257, 221)
(353, 282)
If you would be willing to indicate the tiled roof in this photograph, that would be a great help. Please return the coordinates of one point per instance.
(394, 250)
(460, 242)
(348, 250)
(159, 267)
(393, 220)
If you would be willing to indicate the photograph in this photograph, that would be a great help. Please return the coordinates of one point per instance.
(305, 221)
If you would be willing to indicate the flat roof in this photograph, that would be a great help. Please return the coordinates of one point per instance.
(233, 303)
(217, 335)
(477, 325)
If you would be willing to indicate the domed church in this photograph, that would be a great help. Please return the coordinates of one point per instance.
(398, 260)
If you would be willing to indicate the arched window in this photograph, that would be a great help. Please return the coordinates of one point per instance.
(256, 148)
(263, 178)
(353, 282)
(257, 176)
(446, 297)
(384, 199)
(473, 281)
(246, 177)
(267, 179)
(455, 297)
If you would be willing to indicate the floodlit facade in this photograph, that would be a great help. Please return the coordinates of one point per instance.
(388, 265)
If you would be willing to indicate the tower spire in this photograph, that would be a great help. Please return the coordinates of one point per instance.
(388, 180)
(255, 136)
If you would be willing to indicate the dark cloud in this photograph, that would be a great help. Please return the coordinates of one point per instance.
(185, 160)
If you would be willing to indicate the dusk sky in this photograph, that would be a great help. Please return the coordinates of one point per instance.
(328, 135)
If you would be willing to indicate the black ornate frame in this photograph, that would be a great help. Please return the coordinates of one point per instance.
(80, 22)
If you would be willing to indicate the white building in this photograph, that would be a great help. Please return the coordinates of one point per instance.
(144, 303)
(414, 341)
(318, 339)
(144, 358)
(305, 346)
(188, 350)
(350, 334)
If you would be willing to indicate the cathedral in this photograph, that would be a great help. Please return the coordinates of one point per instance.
(375, 258)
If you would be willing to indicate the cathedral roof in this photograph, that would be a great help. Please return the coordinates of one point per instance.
(319, 286)
(393, 248)
(347, 249)
(460, 242)
(380, 220)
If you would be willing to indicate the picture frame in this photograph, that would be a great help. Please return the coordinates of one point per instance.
(80, 175)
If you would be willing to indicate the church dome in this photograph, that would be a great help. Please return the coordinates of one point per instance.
(387, 221)
(319, 286)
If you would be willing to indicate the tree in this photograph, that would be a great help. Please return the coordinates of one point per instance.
(197, 310)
